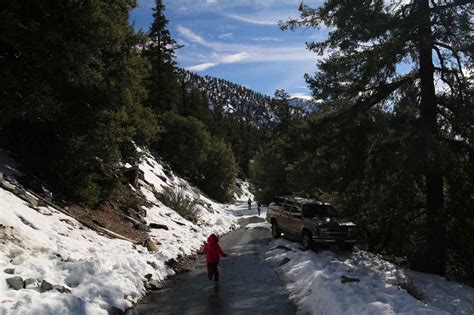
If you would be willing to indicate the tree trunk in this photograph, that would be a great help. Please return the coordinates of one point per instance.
(434, 256)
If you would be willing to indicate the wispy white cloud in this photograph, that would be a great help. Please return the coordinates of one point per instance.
(234, 58)
(190, 35)
(226, 36)
(220, 59)
(267, 39)
(252, 20)
(243, 34)
(202, 66)
(224, 4)
(253, 53)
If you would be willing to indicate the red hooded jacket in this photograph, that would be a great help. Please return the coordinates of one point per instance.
(213, 250)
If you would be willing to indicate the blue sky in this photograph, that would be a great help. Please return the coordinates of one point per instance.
(239, 40)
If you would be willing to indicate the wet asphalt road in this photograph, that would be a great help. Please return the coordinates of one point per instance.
(248, 284)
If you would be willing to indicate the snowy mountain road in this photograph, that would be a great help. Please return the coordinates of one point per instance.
(248, 283)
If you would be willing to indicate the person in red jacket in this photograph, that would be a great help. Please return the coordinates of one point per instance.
(213, 251)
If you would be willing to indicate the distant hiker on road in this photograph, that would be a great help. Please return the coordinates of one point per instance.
(250, 203)
(259, 205)
(213, 251)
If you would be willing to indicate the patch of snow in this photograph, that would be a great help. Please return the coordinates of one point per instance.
(243, 193)
(241, 209)
(260, 225)
(314, 282)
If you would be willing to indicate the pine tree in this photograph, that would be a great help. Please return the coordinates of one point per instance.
(163, 87)
(282, 109)
(220, 171)
(74, 105)
(206, 161)
(268, 172)
(370, 42)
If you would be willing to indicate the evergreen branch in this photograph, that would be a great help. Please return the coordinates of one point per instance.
(454, 4)
(445, 70)
(443, 78)
(363, 104)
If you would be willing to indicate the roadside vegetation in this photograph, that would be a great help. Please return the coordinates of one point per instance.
(391, 149)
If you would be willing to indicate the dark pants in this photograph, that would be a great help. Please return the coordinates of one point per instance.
(212, 271)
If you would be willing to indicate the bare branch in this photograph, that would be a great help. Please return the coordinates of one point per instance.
(454, 4)
(445, 70)
(455, 54)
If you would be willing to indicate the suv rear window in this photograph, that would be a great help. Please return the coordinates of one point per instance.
(312, 210)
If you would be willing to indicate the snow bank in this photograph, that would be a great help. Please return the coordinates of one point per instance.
(45, 244)
(314, 282)
(94, 272)
(260, 225)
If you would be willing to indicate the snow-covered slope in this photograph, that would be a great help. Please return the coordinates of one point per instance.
(372, 285)
(92, 273)
(183, 237)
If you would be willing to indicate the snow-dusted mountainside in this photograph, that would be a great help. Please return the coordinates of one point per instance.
(307, 106)
(240, 100)
(53, 264)
(232, 97)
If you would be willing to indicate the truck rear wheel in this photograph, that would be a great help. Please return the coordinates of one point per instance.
(275, 230)
(307, 240)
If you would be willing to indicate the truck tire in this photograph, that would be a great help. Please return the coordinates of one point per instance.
(275, 230)
(307, 240)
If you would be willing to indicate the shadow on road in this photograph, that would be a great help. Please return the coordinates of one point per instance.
(248, 285)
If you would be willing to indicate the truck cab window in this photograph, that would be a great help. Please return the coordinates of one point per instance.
(318, 210)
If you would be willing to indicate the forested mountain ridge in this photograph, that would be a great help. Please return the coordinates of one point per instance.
(237, 99)
(229, 97)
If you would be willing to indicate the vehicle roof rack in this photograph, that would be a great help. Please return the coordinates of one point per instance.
(297, 199)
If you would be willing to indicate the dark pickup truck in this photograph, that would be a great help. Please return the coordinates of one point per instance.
(311, 221)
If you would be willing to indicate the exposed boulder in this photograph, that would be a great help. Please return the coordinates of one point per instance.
(10, 271)
(148, 276)
(46, 286)
(15, 283)
(158, 226)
